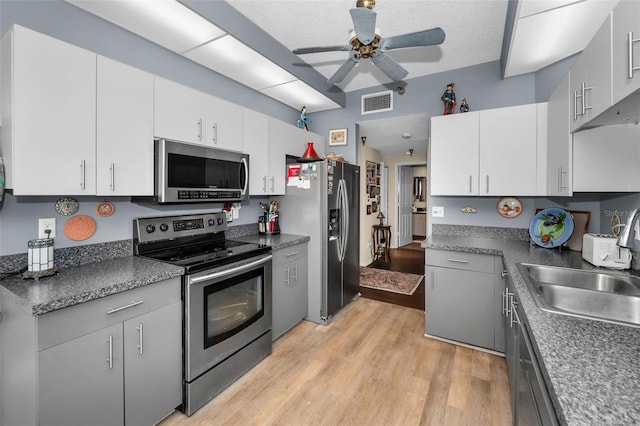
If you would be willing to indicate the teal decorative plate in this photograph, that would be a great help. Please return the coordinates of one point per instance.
(551, 227)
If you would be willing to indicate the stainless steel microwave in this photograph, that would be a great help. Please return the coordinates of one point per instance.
(191, 173)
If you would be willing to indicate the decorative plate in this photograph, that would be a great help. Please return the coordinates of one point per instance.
(67, 206)
(79, 227)
(105, 209)
(551, 227)
(509, 207)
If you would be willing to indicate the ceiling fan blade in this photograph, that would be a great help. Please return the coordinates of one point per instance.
(364, 24)
(317, 49)
(420, 38)
(389, 66)
(344, 70)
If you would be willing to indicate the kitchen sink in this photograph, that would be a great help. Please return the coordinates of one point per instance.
(604, 296)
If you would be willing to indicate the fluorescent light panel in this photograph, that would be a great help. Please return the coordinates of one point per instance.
(177, 28)
(165, 22)
(229, 57)
(298, 94)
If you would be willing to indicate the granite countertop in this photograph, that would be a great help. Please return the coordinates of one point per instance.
(79, 284)
(592, 368)
(276, 241)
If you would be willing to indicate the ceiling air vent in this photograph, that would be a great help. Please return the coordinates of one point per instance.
(377, 102)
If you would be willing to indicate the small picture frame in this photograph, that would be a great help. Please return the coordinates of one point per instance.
(337, 137)
(374, 207)
(368, 208)
(372, 191)
(371, 172)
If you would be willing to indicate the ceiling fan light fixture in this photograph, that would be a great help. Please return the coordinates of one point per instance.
(369, 4)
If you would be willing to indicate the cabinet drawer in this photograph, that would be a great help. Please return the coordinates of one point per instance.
(65, 324)
(285, 255)
(460, 260)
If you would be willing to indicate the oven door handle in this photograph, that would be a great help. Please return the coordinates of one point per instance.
(231, 271)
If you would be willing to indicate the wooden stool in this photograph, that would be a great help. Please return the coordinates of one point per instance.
(381, 237)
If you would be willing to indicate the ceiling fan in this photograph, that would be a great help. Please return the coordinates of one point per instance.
(366, 42)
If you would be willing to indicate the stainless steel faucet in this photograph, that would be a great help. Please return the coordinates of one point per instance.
(625, 239)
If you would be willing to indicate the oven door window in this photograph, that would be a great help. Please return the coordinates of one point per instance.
(232, 305)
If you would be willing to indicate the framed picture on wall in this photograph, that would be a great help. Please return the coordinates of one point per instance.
(371, 191)
(337, 137)
(374, 207)
(371, 173)
(368, 208)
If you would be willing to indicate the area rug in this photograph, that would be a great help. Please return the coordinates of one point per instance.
(396, 282)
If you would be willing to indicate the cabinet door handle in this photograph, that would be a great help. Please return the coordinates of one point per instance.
(575, 105)
(514, 313)
(630, 41)
(458, 260)
(112, 169)
(584, 98)
(504, 273)
(470, 183)
(215, 134)
(200, 129)
(110, 359)
(286, 280)
(140, 338)
(82, 174)
(487, 184)
(273, 183)
(504, 301)
(295, 272)
(122, 308)
(264, 183)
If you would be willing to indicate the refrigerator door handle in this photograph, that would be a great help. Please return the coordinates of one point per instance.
(340, 224)
(345, 215)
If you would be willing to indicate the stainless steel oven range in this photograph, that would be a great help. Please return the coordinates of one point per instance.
(226, 298)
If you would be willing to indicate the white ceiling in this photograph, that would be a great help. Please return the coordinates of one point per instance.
(542, 33)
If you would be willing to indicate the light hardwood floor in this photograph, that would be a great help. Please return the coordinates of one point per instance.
(371, 366)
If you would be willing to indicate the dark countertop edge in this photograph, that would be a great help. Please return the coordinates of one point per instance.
(556, 337)
(161, 271)
(275, 241)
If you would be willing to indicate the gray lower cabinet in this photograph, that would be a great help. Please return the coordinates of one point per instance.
(112, 361)
(290, 287)
(464, 298)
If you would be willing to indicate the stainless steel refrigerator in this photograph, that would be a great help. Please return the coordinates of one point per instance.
(322, 201)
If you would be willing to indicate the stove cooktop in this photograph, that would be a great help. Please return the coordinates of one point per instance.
(195, 242)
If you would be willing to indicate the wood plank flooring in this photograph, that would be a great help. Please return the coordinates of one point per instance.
(371, 366)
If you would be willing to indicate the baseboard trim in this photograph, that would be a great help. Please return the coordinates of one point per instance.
(477, 348)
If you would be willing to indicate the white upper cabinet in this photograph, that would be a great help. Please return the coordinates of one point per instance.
(256, 144)
(188, 115)
(489, 153)
(626, 52)
(49, 115)
(281, 137)
(455, 154)
(508, 150)
(124, 130)
(559, 167)
(591, 78)
(225, 124)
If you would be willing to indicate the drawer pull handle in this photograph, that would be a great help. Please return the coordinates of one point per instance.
(458, 260)
(140, 338)
(110, 359)
(122, 308)
(291, 254)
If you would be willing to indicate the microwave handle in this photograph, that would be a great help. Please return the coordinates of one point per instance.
(246, 175)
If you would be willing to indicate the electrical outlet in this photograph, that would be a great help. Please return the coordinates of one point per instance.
(47, 228)
(437, 211)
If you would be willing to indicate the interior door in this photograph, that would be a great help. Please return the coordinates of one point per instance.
(405, 202)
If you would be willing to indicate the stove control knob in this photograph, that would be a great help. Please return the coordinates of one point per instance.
(150, 229)
(220, 221)
(164, 227)
(211, 222)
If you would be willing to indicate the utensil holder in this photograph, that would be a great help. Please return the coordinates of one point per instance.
(269, 224)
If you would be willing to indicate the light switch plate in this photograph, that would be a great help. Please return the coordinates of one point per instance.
(437, 211)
